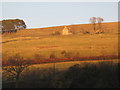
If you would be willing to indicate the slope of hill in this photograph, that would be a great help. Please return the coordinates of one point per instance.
(51, 54)
(111, 27)
(29, 42)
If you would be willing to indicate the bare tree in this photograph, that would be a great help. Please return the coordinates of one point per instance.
(15, 66)
(93, 21)
(99, 20)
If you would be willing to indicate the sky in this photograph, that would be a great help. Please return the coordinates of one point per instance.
(47, 14)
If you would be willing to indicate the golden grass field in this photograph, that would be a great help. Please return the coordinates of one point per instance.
(29, 42)
(86, 45)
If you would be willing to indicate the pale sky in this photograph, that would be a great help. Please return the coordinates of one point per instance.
(45, 14)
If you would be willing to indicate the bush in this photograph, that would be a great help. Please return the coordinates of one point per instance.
(56, 33)
(38, 57)
(86, 32)
(52, 56)
(67, 54)
(73, 32)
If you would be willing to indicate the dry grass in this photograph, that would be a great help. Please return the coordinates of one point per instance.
(40, 41)
(86, 45)
(27, 43)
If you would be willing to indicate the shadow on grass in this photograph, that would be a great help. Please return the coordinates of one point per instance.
(101, 75)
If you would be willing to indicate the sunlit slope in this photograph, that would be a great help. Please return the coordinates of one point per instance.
(86, 45)
(29, 42)
(80, 28)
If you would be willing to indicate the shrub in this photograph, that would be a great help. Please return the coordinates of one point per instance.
(86, 32)
(73, 32)
(56, 33)
(52, 56)
(38, 57)
(67, 54)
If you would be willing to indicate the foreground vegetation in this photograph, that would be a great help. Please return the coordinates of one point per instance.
(81, 75)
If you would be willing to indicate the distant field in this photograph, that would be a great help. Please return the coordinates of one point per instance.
(29, 42)
(111, 27)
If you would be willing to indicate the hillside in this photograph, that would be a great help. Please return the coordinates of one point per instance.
(29, 42)
(111, 27)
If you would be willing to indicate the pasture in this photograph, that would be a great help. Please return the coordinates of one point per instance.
(28, 42)
(40, 44)
(84, 44)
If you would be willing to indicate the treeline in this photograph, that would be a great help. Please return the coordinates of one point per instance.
(11, 25)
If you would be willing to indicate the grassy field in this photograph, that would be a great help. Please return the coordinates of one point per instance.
(40, 41)
(30, 42)
(86, 45)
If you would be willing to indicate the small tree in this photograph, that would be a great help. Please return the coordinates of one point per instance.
(52, 56)
(15, 66)
(63, 53)
(93, 21)
(99, 20)
(67, 54)
(77, 56)
(38, 57)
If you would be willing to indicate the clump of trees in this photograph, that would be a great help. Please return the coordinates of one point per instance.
(12, 25)
(99, 20)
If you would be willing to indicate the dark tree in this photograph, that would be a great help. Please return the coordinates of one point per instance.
(15, 66)
(12, 25)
